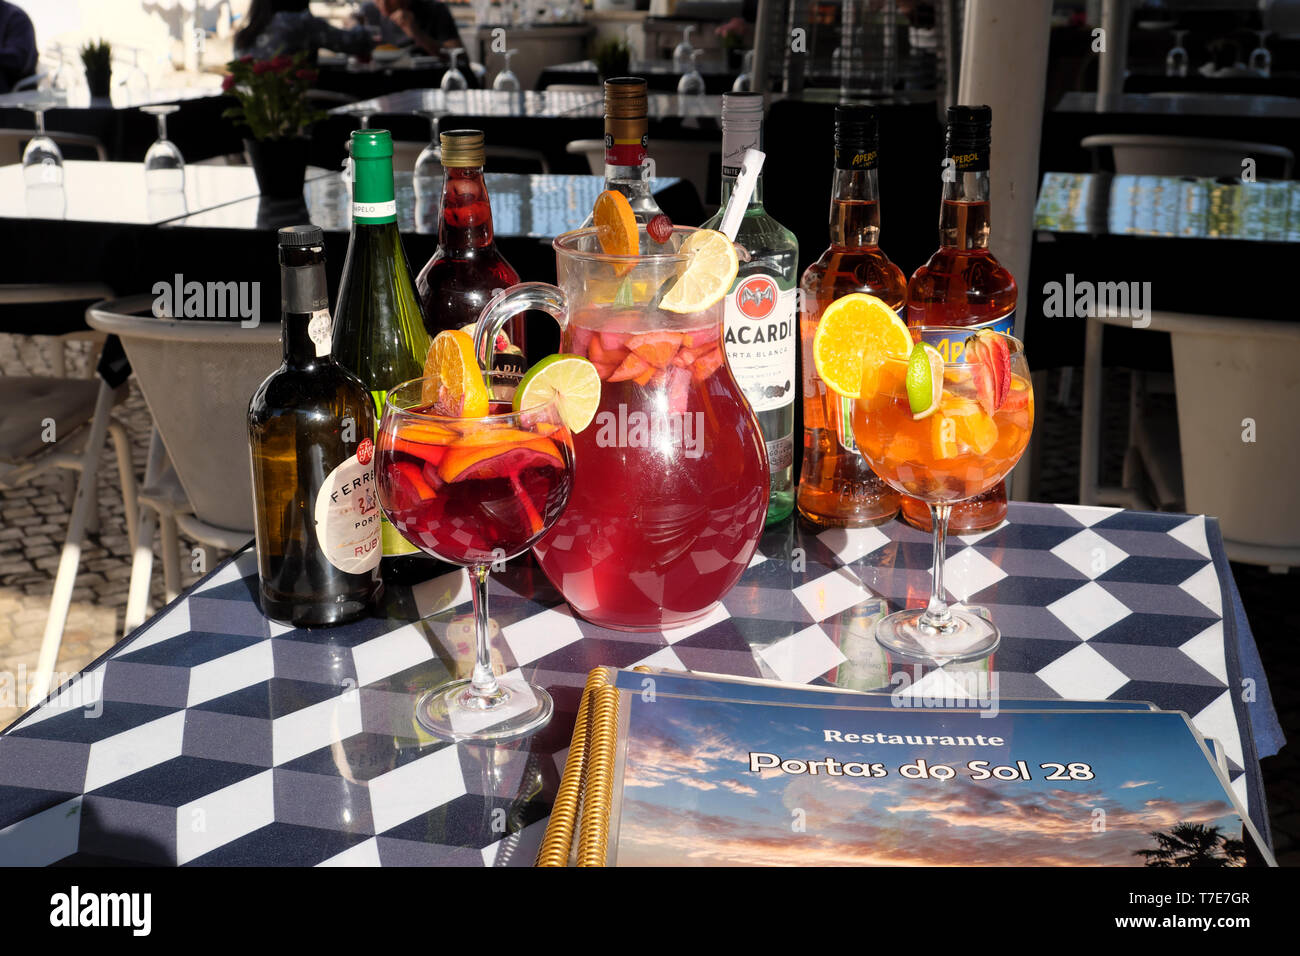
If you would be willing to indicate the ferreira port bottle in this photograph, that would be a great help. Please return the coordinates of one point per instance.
(963, 284)
(837, 488)
(759, 321)
(467, 269)
(379, 330)
(311, 447)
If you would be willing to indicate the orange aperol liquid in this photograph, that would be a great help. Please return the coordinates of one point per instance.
(956, 453)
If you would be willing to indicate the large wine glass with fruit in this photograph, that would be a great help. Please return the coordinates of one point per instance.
(474, 469)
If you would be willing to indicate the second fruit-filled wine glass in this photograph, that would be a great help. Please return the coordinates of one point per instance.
(944, 433)
(475, 492)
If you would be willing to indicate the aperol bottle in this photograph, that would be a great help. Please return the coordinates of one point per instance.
(963, 284)
(467, 269)
(837, 488)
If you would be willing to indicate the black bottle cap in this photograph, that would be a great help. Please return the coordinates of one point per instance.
(857, 137)
(294, 237)
(968, 137)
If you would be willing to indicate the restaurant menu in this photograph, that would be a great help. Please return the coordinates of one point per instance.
(713, 771)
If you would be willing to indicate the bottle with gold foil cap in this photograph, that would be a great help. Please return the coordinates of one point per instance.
(467, 269)
(627, 125)
(462, 147)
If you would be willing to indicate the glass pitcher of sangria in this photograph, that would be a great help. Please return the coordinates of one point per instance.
(671, 476)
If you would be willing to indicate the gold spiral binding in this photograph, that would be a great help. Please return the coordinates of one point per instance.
(593, 836)
(558, 839)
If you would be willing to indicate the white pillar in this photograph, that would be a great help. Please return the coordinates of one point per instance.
(1004, 65)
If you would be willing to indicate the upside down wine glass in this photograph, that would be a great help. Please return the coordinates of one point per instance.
(965, 444)
(475, 492)
(453, 80)
(164, 167)
(42, 158)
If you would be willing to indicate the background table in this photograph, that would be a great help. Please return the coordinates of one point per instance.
(544, 121)
(1255, 119)
(660, 76)
(1205, 246)
(197, 127)
(220, 738)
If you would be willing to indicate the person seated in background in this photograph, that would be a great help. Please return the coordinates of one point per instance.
(427, 24)
(287, 26)
(17, 46)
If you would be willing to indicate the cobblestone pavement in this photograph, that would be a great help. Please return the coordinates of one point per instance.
(33, 524)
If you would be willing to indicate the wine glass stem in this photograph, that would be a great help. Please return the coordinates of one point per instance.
(162, 126)
(936, 612)
(485, 682)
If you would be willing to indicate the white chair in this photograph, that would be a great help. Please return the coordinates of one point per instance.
(197, 377)
(55, 422)
(1236, 390)
(1140, 154)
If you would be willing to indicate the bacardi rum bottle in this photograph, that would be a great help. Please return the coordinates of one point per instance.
(760, 310)
(837, 488)
(963, 284)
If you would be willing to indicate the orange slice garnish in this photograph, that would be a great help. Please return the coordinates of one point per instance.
(615, 224)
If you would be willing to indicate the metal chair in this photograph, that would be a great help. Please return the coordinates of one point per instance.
(197, 377)
(51, 422)
(1140, 154)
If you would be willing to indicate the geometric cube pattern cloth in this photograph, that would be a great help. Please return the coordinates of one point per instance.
(212, 736)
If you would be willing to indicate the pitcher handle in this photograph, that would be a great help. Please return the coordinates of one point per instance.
(508, 303)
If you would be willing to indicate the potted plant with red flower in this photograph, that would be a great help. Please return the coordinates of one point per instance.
(732, 35)
(274, 108)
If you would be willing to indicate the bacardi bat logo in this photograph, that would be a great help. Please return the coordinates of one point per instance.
(756, 297)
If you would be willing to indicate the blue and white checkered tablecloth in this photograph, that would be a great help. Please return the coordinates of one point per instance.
(214, 736)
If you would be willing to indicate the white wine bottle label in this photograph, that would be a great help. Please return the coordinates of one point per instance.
(320, 332)
(760, 341)
(348, 513)
(374, 212)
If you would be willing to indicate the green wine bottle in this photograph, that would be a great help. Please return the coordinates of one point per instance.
(310, 428)
(379, 330)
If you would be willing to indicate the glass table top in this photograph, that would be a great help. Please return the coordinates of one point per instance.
(1168, 206)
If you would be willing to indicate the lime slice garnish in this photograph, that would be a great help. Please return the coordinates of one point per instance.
(571, 380)
(924, 380)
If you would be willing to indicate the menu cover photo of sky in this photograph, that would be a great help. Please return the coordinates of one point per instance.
(689, 797)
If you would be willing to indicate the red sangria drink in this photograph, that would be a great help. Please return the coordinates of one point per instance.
(478, 489)
(670, 494)
(473, 480)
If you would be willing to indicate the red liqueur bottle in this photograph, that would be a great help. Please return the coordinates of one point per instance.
(467, 269)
